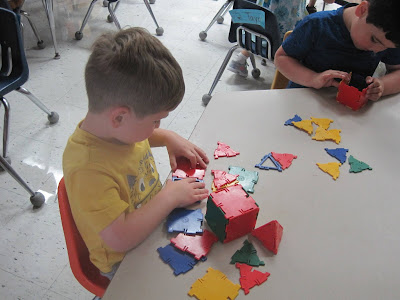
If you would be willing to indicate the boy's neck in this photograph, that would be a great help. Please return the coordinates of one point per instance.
(96, 124)
(349, 16)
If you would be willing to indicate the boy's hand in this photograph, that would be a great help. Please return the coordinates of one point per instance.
(327, 78)
(375, 88)
(178, 146)
(185, 192)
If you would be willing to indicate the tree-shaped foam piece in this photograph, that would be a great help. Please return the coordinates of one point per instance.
(331, 168)
(339, 153)
(249, 278)
(224, 150)
(322, 122)
(323, 135)
(270, 235)
(305, 125)
(248, 255)
(357, 166)
(284, 159)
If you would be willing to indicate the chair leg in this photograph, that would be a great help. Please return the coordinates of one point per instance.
(159, 30)
(222, 11)
(48, 5)
(6, 126)
(37, 199)
(40, 42)
(51, 116)
(112, 10)
(79, 34)
(207, 97)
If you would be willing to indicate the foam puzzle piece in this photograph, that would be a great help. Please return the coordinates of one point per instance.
(224, 150)
(357, 166)
(339, 153)
(248, 255)
(322, 122)
(296, 118)
(284, 159)
(269, 156)
(197, 245)
(305, 125)
(331, 134)
(270, 235)
(222, 178)
(214, 189)
(250, 278)
(214, 285)
(246, 178)
(351, 96)
(331, 168)
(178, 260)
(185, 220)
(185, 170)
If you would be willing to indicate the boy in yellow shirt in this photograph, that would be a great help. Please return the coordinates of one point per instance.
(113, 186)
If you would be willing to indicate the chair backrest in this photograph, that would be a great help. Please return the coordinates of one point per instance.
(82, 268)
(14, 70)
(253, 37)
(280, 81)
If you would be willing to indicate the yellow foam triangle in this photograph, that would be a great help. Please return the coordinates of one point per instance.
(305, 125)
(322, 122)
(331, 168)
(332, 134)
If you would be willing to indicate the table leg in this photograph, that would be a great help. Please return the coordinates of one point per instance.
(48, 6)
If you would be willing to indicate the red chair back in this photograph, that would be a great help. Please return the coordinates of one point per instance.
(82, 268)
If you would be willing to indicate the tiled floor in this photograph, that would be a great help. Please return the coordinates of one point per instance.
(33, 256)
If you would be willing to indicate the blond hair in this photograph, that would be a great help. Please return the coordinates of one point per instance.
(133, 68)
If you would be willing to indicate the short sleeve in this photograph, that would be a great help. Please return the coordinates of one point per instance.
(300, 42)
(94, 199)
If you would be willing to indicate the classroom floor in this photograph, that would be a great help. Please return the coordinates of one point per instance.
(33, 256)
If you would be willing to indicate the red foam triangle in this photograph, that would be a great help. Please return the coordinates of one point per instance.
(270, 235)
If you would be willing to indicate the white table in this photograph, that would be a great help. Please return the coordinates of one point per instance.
(341, 238)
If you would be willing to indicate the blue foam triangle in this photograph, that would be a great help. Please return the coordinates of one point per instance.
(338, 153)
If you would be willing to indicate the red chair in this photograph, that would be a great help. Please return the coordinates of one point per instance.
(82, 268)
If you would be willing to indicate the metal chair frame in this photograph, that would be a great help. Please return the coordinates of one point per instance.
(112, 17)
(219, 18)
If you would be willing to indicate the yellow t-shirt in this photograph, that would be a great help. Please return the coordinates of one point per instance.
(104, 180)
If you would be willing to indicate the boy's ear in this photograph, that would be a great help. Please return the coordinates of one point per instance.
(118, 114)
(362, 9)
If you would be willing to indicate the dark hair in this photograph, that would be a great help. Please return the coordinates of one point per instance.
(133, 68)
(384, 14)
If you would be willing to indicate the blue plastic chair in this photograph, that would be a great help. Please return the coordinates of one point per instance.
(13, 73)
(256, 39)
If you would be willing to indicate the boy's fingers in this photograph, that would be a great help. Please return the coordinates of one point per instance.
(172, 162)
